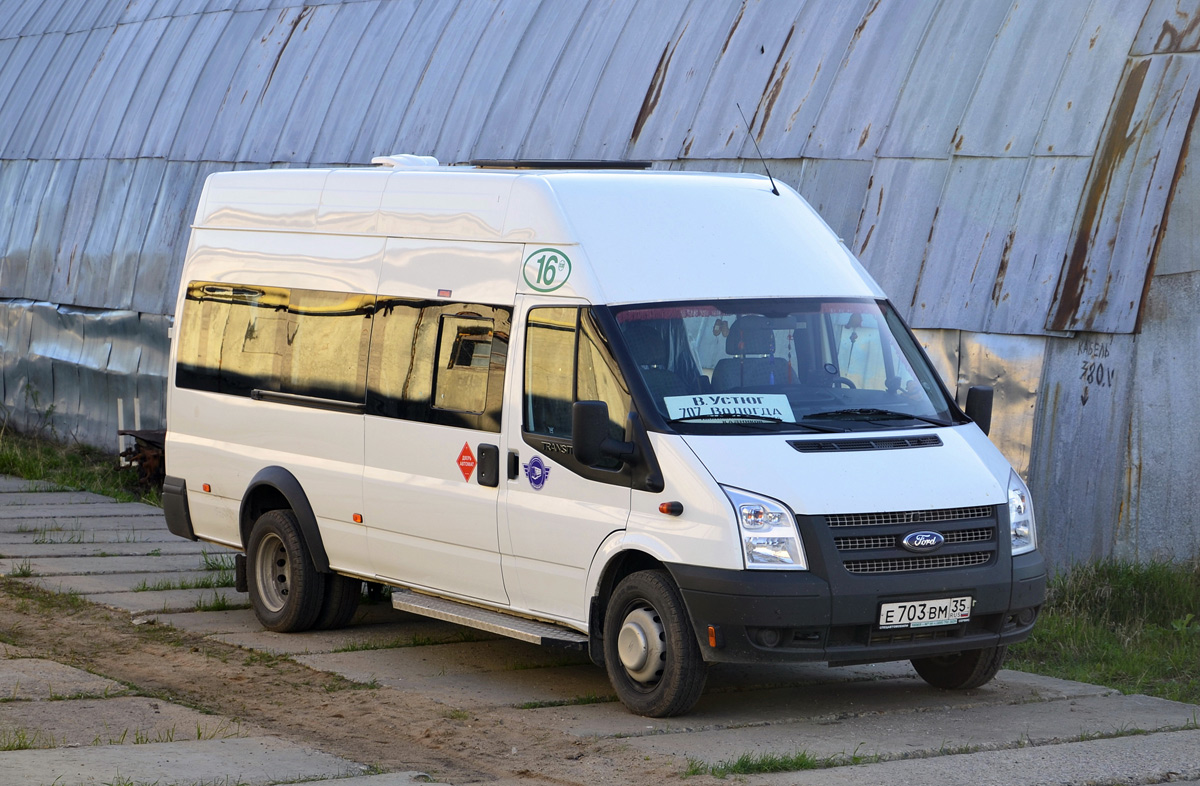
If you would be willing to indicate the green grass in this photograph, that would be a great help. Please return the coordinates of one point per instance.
(587, 698)
(69, 465)
(1126, 626)
(756, 763)
(218, 602)
(217, 562)
(214, 580)
(20, 739)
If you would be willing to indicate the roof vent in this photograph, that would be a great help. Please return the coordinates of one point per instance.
(404, 161)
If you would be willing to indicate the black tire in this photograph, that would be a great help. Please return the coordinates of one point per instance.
(342, 595)
(961, 670)
(659, 671)
(286, 590)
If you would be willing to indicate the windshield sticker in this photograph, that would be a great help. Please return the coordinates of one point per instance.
(537, 472)
(546, 269)
(772, 405)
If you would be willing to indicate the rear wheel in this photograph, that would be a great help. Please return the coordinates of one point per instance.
(961, 670)
(286, 590)
(342, 595)
(650, 653)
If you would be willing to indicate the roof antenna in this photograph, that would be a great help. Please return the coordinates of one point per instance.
(774, 190)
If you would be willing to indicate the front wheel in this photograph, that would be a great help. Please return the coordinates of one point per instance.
(650, 653)
(961, 670)
(286, 590)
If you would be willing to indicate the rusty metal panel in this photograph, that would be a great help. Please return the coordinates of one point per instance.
(161, 260)
(35, 176)
(958, 274)
(1018, 79)
(901, 205)
(751, 69)
(1035, 245)
(681, 76)
(1180, 248)
(942, 348)
(95, 93)
(1012, 366)
(285, 83)
(297, 136)
(574, 79)
(43, 249)
(485, 71)
(835, 189)
(190, 104)
(1163, 457)
(934, 96)
(25, 70)
(514, 106)
(1169, 26)
(349, 104)
(97, 252)
(80, 207)
(431, 97)
(118, 98)
(1116, 231)
(253, 70)
(44, 143)
(133, 227)
(860, 102)
(1078, 463)
(1089, 79)
(393, 89)
(612, 114)
(150, 90)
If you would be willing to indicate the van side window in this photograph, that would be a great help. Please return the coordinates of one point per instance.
(567, 360)
(235, 339)
(438, 362)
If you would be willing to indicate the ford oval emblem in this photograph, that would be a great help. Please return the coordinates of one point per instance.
(923, 541)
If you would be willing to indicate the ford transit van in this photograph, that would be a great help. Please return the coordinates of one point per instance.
(664, 417)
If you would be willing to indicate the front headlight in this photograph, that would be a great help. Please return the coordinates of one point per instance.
(768, 532)
(1020, 516)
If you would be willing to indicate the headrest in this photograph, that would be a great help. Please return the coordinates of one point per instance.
(750, 335)
(646, 344)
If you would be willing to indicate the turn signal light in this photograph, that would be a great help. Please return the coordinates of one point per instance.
(357, 518)
(671, 508)
(207, 488)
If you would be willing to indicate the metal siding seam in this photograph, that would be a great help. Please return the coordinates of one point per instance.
(133, 227)
(569, 91)
(100, 244)
(47, 142)
(518, 94)
(118, 100)
(25, 84)
(93, 98)
(485, 72)
(397, 83)
(325, 74)
(81, 209)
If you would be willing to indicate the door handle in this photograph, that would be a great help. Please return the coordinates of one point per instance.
(514, 465)
(488, 472)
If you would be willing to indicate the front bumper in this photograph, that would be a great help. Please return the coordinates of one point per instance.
(795, 616)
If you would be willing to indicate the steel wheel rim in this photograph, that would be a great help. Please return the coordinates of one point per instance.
(641, 645)
(273, 570)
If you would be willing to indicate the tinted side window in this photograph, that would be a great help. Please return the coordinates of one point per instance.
(438, 362)
(567, 360)
(235, 339)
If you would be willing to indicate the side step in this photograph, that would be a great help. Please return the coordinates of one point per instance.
(483, 619)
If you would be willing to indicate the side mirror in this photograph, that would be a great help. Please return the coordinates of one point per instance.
(589, 434)
(979, 406)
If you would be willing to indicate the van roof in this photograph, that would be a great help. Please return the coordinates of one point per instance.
(631, 235)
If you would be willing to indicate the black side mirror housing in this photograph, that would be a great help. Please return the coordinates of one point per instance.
(589, 434)
(979, 406)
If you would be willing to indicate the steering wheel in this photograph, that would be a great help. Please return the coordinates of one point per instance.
(843, 381)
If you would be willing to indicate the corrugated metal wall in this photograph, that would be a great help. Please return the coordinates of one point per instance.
(1005, 169)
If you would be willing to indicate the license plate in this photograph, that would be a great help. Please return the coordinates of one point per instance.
(925, 613)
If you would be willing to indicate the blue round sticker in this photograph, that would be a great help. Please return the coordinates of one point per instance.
(537, 472)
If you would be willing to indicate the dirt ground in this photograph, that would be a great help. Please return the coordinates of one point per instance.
(371, 725)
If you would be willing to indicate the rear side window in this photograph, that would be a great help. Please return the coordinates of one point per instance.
(438, 362)
(237, 339)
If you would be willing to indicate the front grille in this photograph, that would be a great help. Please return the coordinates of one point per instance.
(907, 517)
(865, 542)
(969, 535)
(909, 564)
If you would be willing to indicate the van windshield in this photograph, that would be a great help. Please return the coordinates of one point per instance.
(801, 365)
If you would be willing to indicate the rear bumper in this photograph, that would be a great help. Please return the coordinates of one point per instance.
(781, 617)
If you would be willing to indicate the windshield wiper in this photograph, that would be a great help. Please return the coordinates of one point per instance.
(753, 421)
(873, 414)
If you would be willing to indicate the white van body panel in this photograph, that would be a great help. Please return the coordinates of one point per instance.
(873, 481)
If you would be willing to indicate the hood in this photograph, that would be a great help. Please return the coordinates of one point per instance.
(965, 470)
